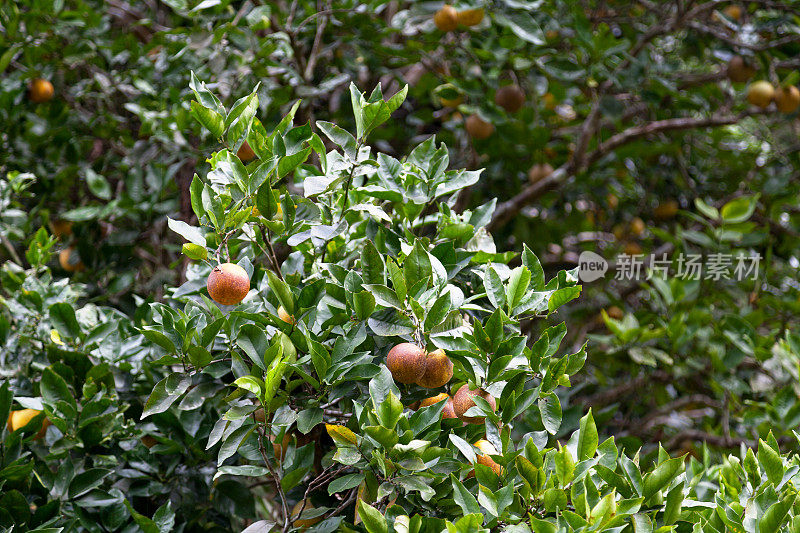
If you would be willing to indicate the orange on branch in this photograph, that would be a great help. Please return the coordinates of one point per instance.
(406, 362)
(40, 91)
(228, 284)
(446, 19)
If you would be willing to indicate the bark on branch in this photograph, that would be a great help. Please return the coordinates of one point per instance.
(508, 209)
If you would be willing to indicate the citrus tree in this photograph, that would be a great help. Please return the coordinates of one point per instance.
(386, 298)
(343, 271)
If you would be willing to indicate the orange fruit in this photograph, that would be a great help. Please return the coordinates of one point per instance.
(228, 284)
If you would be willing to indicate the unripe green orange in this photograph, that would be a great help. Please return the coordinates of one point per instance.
(228, 284)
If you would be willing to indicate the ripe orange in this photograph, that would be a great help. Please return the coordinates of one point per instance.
(446, 19)
(69, 260)
(40, 91)
(406, 362)
(760, 93)
(245, 153)
(479, 128)
(470, 17)
(787, 99)
(228, 284)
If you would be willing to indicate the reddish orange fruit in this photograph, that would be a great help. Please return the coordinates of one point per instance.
(228, 284)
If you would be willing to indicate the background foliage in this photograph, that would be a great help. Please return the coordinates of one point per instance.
(654, 150)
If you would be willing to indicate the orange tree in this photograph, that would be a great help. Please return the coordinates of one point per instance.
(289, 410)
(594, 122)
(342, 336)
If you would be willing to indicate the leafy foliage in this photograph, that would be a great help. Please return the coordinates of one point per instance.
(360, 228)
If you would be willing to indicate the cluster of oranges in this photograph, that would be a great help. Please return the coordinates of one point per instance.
(410, 364)
(762, 93)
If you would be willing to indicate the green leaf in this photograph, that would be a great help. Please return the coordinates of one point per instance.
(775, 517)
(345, 482)
(193, 251)
(562, 296)
(210, 119)
(54, 389)
(530, 261)
(86, 481)
(384, 295)
(240, 119)
(165, 393)
(339, 137)
(62, 316)
(373, 520)
(707, 210)
(273, 377)
(190, 233)
(517, 286)
(494, 288)
(372, 266)
(98, 184)
(661, 477)
(587, 437)
(363, 304)
(438, 311)
(250, 384)
(204, 96)
(770, 462)
(550, 407)
(417, 266)
(254, 342)
(282, 291)
(463, 497)
(243, 470)
(739, 210)
(308, 419)
(672, 509)
(389, 411)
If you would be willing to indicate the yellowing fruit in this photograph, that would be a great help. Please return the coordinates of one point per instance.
(21, 418)
(40, 91)
(760, 93)
(470, 17)
(446, 19)
(787, 99)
